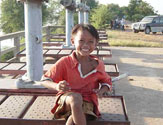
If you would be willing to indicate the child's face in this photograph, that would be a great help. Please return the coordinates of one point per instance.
(84, 43)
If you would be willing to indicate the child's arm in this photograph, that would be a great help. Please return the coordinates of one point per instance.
(103, 88)
(61, 86)
(101, 91)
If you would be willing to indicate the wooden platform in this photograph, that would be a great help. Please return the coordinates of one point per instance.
(58, 53)
(24, 108)
(62, 37)
(56, 44)
(19, 68)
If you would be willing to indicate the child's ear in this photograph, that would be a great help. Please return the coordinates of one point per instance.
(72, 41)
(97, 42)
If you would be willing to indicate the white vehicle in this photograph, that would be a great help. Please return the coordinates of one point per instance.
(149, 24)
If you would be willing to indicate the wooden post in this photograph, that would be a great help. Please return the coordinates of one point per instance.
(17, 45)
(47, 34)
(0, 51)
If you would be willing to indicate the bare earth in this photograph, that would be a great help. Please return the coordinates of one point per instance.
(143, 88)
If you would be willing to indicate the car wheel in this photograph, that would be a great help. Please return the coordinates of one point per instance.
(154, 32)
(136, 31)
(147, 30)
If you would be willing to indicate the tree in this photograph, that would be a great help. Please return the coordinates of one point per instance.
(137, 9)
(115, 11)
(92, 4)
(100, 17)
(61, 18)
(54, 8)
(12, 16)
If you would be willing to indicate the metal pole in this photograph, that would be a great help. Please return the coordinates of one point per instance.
(86, 18)
(69, 25)
(81, 17)
(33, 36)
(81, 12)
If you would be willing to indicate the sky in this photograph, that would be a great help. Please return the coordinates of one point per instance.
(156, 4)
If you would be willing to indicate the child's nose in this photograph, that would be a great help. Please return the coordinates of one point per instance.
(86, 43)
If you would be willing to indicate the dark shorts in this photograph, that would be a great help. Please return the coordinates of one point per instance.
(62, 113)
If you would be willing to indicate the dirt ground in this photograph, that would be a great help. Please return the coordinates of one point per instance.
(143, 88)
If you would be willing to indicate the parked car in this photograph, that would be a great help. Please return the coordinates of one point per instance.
(149, 24)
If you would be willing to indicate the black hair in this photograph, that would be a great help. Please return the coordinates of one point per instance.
(91, 29)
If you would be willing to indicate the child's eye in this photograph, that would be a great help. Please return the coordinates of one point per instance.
(81, 41)
(91, 41)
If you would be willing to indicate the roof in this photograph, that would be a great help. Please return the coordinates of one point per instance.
(154, 16)
(33, 0)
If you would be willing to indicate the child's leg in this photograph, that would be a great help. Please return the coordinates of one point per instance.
(74, 102)
(70, 121)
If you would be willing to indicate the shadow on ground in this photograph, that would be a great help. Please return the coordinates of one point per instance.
(143, 89)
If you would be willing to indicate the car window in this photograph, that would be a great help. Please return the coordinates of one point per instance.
(156, 20)
(147, 19)
(161, 20)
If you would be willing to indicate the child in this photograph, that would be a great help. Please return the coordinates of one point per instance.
(79, 78)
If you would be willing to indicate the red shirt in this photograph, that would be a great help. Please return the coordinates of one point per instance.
(67, 68)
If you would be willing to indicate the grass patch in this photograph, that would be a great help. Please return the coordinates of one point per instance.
(7, 56)
(130, 39)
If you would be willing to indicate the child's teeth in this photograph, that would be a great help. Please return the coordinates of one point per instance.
(85, 49)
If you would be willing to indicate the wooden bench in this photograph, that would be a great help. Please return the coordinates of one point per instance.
(19, 68)
(58, 53)
(62, 37)
(46, 45)
(24, 107)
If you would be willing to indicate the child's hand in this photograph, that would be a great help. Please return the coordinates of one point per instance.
(63, 86)
(101, 91)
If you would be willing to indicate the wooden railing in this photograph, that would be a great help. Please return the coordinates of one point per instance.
(18, 36)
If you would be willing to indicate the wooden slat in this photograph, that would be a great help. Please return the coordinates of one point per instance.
(3, 65)
(104, 53)
(65, 52)
(47, 66)
(14, 66)
(112, 69)
(57, 53)
(41, 108)
(2, 97)
(52, 52)
(13, 106)
(112, 109)
(23, 53)
(20, 68)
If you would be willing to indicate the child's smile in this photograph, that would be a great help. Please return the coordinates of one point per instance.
(84, 42)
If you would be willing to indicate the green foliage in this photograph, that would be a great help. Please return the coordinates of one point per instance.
(92, 4)
(12, 18)
(45, 13)
(62, 13)
(53, 11)
(137, 9)
(62, 18)
(12, 15)
(7, 56)
(100, 17)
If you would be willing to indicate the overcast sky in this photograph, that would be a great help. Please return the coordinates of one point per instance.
(156, 4)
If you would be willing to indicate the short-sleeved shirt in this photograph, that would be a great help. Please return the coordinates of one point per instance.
(68, 68)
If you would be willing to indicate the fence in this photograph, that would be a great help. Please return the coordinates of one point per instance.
(18, 36)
